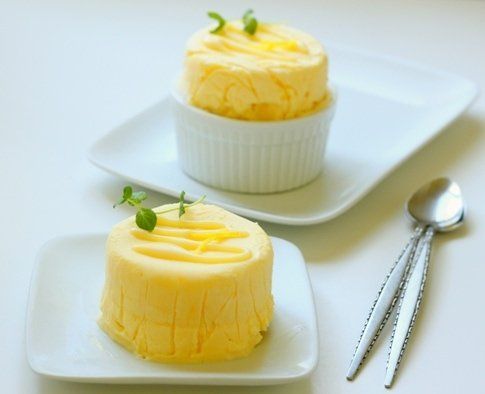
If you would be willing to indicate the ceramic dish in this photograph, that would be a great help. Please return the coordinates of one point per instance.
(64, 341)
(387, 109)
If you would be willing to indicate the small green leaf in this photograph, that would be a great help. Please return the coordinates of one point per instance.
(251, 26)
(127, 192)
(146, 219)
(250, 22)
(220, 20)
(181, 204)
(138, 197)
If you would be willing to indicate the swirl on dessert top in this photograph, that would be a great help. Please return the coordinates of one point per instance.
(191, 241)
(206, 235)
(273, 44)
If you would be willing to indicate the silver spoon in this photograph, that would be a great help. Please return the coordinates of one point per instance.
(436, 207)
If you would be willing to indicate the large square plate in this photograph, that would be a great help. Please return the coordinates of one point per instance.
(387, 109)
(65, 342)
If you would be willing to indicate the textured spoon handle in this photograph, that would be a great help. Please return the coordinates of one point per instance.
(383, 304)
(409, 306)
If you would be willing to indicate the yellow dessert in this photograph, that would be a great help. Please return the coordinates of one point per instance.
(196, 288)
(277, 73)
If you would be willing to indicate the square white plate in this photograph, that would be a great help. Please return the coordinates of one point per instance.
(65, 342)
(387, 109)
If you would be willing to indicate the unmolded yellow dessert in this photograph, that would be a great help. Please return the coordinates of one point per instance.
(277, 73)
(196, 288)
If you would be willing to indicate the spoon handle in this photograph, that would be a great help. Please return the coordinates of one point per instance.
(409, 306)
(383, 304)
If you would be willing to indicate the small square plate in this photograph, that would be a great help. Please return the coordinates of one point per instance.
(387, 109)
(65, 342)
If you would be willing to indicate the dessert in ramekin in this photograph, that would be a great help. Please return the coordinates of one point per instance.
(252, 112)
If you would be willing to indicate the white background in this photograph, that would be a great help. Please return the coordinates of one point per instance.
(72, 70)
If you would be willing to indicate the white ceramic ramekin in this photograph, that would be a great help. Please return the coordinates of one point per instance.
(250, 156)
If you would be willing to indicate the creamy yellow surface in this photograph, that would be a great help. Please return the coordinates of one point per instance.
(277, 73)
(195, 289)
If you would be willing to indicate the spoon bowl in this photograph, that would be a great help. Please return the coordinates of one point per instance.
(438, 204)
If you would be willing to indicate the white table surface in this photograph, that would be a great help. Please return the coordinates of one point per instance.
(71, 70)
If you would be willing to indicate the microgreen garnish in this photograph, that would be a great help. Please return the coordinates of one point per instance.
(146, 218)
(185, 206)
(131, 198)
(250, 22)
(220, 20)
(181, 204)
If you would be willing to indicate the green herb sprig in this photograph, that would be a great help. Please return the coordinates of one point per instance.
(250, 22)
(181, 203)
(220, 21)
(146, 218)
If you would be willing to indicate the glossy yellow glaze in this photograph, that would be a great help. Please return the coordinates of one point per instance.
(197, 242)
